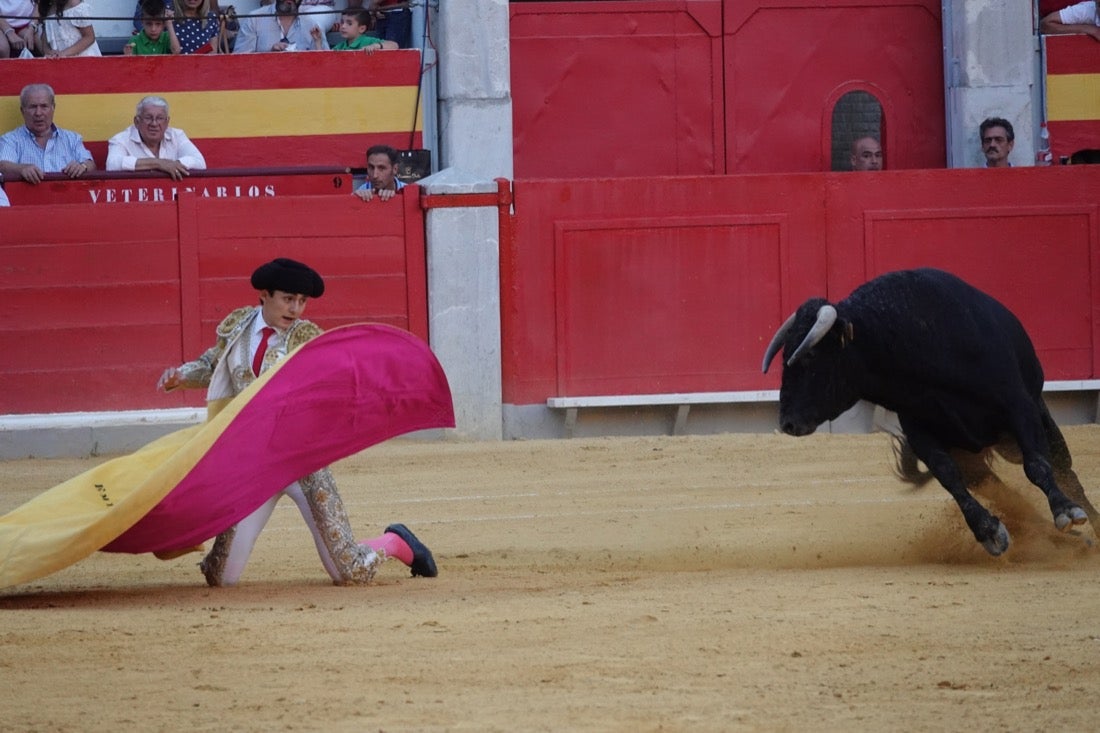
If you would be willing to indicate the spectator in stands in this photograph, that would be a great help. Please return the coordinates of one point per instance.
(322, 12)
(39, 146)
(16, 29)
(1079, 18)
(354, 26)
(199, 28)
(68, 29)
(382, 181)
(285, 30)
(997, 141)
(394, 21)
(158, 33)
(866, 154)
(151, 145)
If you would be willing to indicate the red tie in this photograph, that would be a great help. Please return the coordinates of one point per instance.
(258, 359)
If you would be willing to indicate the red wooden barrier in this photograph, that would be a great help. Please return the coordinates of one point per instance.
(612, 286)
(639, 286)
(100, 299)
(125, 188)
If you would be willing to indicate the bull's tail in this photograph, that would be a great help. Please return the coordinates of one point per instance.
(906, 464)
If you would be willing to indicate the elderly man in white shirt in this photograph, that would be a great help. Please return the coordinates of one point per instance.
(150, 144)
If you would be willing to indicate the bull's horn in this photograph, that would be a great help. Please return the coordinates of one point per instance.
(777, 341)
(826, 317)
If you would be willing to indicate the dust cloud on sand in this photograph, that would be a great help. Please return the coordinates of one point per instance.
(718, 583)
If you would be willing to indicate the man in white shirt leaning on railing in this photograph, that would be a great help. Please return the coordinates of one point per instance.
(150, 144)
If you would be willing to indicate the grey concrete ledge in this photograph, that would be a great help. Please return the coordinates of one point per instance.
(61, 420)
(456, 180)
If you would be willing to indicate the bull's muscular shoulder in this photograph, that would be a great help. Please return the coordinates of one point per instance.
(301, 332)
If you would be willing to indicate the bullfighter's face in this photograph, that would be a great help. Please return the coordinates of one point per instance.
(281, 309)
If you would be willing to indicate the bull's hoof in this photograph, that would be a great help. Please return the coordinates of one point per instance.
(1071, 516)
(999, 542)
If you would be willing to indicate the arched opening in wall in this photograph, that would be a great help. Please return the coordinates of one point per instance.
(857, 114)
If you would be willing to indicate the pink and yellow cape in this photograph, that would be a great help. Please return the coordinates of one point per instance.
(348, 389)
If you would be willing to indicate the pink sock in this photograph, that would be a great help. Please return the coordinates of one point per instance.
(392, 545)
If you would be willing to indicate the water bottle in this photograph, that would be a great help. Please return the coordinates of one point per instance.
(1043, 155)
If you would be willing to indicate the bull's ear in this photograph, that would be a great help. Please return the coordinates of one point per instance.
(847, 334)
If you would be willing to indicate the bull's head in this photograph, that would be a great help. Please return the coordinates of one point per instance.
(820, 370)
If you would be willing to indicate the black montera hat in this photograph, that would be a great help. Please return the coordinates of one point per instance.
(290, 277)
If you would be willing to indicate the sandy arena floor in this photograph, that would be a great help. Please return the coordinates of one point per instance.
(728, 583)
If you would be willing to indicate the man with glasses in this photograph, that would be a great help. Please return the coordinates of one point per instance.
(151, 145)
(40, 146)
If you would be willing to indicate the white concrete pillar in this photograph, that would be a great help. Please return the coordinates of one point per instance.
(475, 89)
(464, 302)
(992, 69)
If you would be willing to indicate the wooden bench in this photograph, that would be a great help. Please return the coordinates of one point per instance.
(684, 400)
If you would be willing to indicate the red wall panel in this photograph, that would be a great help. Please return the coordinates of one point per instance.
(617, 88)
(1026, 235)
(786, 65)
(718, 86)
(676, 279)
(100, 299)
(80, 285)
(633, 285)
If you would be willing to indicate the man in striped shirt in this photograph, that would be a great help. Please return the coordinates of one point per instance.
(40, 146)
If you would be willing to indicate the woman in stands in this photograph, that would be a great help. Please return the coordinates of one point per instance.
(199, 28)
(67, 29)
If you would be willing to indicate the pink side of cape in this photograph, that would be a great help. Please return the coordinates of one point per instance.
(344, 391)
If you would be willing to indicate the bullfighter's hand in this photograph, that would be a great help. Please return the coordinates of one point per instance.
(170, 380)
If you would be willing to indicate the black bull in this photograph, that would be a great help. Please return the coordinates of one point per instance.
(954, 364)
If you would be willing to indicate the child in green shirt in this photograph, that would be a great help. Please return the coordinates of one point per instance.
(153, 40)
(354, 26)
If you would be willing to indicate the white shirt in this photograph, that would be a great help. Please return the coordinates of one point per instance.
(1080, 14)
(64, 31)
(260, 30)
(125, 148)
(4, 198)
(258, 325)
